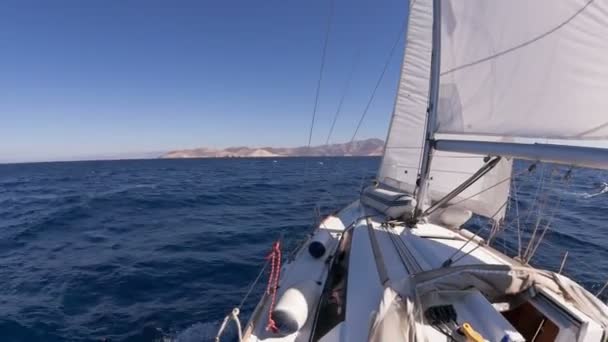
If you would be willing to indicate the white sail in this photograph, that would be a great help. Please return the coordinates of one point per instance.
(401, 161)
(487, 197)
(522, 68)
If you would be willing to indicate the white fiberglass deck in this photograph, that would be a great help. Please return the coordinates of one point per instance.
(382, 255)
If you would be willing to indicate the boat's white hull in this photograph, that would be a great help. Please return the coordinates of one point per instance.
(345, 307)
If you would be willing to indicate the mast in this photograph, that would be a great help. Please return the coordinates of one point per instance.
(427, 153)
(411, 128)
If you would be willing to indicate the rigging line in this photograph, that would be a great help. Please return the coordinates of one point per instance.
(601, 290)
(449, 260)
(496, 226)
(493, 186)
(495, 231)
(482, 191)
(535, 231)
(345, 92)
(563, 263)
(386, 64)
(319, 81)
(536, 194)
(548, 224)
(443, 202)
(508, 248)
(515, 190)
(488, 188)
(373, 94)
(479, 244)
(339, 109)
(521, 45)
(541, 237)
(252, 286)
(323, 55)
(541, 207)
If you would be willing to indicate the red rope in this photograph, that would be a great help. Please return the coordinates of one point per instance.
(273, 282)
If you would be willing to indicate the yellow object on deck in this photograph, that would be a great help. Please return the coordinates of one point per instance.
(470, 333)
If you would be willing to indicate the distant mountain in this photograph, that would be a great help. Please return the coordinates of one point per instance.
(368, 147)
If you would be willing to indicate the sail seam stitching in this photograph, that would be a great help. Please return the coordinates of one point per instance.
(521, 45)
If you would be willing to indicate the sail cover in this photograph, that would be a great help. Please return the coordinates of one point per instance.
(520, 68)
(401, 162)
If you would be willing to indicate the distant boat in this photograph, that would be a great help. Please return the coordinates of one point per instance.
(482, 82)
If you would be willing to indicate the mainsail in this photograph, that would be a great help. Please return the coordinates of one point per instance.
(522, 68)
(517, 79)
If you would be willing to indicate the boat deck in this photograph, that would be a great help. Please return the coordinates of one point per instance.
(380, 255)
(400, 252)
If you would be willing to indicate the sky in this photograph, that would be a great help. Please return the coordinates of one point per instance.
(80, 79)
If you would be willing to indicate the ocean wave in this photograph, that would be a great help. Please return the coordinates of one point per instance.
(119, 190)
(574, 240)
(205, 331)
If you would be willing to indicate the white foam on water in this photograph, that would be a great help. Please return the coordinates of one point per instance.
(122, 189)
(203, 331)
(602, 191)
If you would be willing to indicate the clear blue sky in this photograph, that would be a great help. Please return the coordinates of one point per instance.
(92, 78)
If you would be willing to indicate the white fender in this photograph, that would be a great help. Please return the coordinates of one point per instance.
(294, 306)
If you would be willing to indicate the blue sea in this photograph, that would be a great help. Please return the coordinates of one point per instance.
(161, 250)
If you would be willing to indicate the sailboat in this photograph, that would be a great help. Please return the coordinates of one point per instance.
(482, 83)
